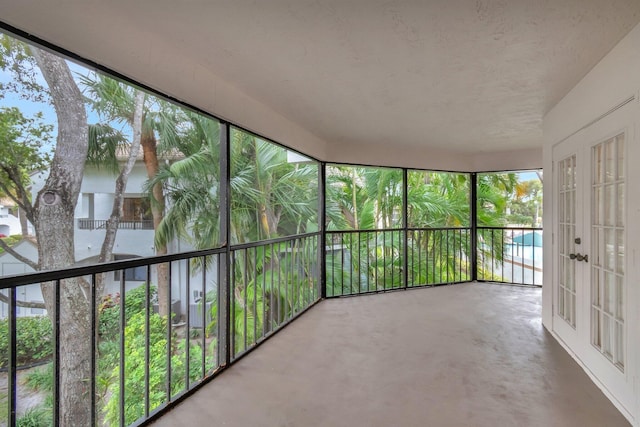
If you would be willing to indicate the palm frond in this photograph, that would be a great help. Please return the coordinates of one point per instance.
(104, 145)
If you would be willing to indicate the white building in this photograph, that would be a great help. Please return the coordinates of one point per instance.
(134, 238)
(9, 223)
(9, 265)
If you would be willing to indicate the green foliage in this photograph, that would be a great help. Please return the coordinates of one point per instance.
(108, 361)
(363, 262)
(361, 198)
(104, 142)
(11, 240)
(504, 199)
(438, 199)
(270, 197)
(16, 59)
(366, 198)
(41, 379)
(525, 204)
(521, 219)
(114, 100)
(4, 407)
(135, 369)
(109, 331)
(34, 340)
(191, 183)
(39, 416)
(493, 193)
(24, 141)
(438, 256)
(271, 285)
(248, 316)
(23, 150)
(109, 310)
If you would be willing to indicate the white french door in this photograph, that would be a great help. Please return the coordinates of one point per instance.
(590, 289)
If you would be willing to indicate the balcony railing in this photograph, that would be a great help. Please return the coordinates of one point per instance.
(378, 260)
(272, 282)
(98, 224)
(510, 255)
(131, 362)
(439, 256)
(137, 359)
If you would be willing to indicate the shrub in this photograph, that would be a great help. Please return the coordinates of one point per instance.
(135, 368)
(34, 340)
(41, 379)
(109, 310)
(38, 416)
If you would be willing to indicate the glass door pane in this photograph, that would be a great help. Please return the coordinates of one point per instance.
(566, 307)
(607, 249)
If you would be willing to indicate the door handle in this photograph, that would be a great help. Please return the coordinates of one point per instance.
(579, 257)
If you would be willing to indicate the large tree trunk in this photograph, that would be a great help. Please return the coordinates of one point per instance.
(54, 224)
(150, 149)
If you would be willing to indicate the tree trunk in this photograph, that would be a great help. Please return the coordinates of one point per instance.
(354, 201)
(150, 149)
(24, 224)
(111, 228)
(106, 252)
(54, 224)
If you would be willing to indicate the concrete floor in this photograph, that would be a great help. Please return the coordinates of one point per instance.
(463, 355)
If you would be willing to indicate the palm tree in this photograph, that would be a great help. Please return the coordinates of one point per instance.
(116, 102)
(439, 205)
(437, 199)
(364, 198)
(493, 194)
(270, 197)
(361, 198)
(494, 190)
(191, 185)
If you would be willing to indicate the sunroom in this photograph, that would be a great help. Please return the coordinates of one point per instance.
(191, 178)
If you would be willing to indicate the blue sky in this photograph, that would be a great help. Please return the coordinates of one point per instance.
(527, 176)
(30, 108)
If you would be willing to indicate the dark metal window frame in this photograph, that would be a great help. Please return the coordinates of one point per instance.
(224, 252)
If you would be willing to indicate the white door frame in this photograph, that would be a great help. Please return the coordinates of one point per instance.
(618, 385)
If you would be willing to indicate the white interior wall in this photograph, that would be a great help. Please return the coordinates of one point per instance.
(610, 82)
(613, 80)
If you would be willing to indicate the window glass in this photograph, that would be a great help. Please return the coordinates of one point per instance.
(274, 191)
(363, 198)
(511, 199)
(160, 160)
(438, 199)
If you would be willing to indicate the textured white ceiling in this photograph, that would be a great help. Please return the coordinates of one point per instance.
(473, 76)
